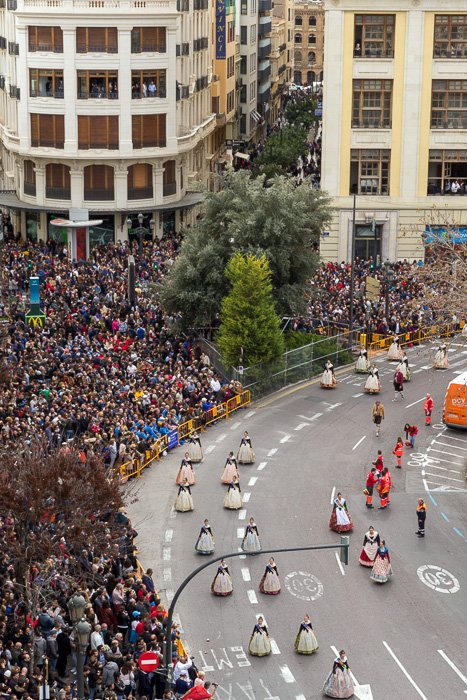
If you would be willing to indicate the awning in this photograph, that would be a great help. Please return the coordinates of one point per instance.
(455, 234)
(243, 156)
(9, 200)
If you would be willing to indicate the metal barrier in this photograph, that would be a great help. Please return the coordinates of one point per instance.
(415, 337)
(181, 433)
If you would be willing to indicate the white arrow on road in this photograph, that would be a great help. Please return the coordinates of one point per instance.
(363, 692)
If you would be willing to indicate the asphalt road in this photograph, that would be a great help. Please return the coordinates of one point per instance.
(405, 639)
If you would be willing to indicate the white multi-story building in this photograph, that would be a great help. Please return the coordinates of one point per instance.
(104, 108)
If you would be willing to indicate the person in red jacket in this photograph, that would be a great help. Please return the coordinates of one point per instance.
(378, 463)
(398, 451)
(200, 692)
(428, 409)
(384, 487)
(371, 481)
(411, 432)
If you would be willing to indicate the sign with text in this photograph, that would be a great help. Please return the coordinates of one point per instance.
(172, 439)
(220, 29)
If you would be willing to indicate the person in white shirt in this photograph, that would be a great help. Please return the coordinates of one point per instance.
(97, 640)
(183, 664)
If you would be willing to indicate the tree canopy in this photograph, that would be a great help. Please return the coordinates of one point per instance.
(250, 327)
(282, 221)
(282, 149)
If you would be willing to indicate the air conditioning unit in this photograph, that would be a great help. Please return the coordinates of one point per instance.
(214, 78)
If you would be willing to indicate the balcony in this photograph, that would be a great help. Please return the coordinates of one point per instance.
(149, 48)
(200, 44)
(42, 92)
(265, 5)
(264, 51)
(99, 195)
(82, 48)
(169, 188)
(264, 74)
(183, 5)
(200, 4)
(264, 96)
(45, 48)
(220, 119)
(30, 188)
(58, 192)
(140, 192)
(97, 95)
(264, 28)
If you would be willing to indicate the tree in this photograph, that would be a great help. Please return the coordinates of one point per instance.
(282, 221)
(301, 111)
(250, 327)
(282, 149)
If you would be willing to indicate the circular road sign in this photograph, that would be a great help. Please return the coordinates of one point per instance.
(438, 579)
(303, 585)
(148, 661)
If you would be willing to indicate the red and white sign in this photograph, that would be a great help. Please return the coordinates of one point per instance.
(148, 661)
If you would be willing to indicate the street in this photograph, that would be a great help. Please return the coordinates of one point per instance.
(403, 639)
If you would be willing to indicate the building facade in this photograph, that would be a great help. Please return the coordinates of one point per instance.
(280, 71)
(105, 108)
(394, 123)
(308, 36)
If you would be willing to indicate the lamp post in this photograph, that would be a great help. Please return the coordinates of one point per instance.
(388, 277)
(352, 271)
(82, 630)
(140, 231)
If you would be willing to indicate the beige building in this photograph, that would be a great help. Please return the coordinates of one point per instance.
(394, 122)
(308, 41)
(280, 71)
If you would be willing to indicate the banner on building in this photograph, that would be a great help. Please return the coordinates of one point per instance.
(220, 29)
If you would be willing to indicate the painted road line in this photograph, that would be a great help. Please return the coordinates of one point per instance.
(418, 370)
(246, 496)
(253, 481)
(430, 465)
(221, 437)
(287, 674)
(173, 513)
(209, 449)
(443, 515)
(354, 680)
(246, 574)
(300, 697)
(446, 444)
(242, 514)
(427, 489)
(169, 595)
(416, 402)
(168, 535)
(443, 452)
(301, 425)
(333, 493)
(441, 476)
(310, 418)
(332, 406)
(261, 466)
(427, 367)
(451, 437)
(458, 532)
(274, 648)
(272, 452)
(286, 438)
(252, 597)
(249, 414)
(235, 425)
(404, 671)
(452, 665)
(339, 563)
(355, 396)
(166, 553)
(242, 556)
(167, 574)
(240, 533)
(430, 461)
(358, 443)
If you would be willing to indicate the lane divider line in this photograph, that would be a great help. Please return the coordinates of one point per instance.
(287, 674)
(404, 671)
(246, 497)
(253, 481)
(453, 666)
(333, 493)
(358, 443)
(246, 574)
(261, 466)
(339, 563)
(242, 514)
(272, 452)
(252, 597)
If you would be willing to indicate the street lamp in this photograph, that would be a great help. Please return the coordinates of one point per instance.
(388, 276)
(352, 271)
(82, 630)
(140, 231)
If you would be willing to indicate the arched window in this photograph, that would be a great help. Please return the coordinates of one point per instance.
(297, 77)
(312, 21)
(311, 58)
(298, 38)
(98, 183)
(140, 181)
(312, 38)
(170, 180)
(29, 182)
(310, 77)
(57, 181)
(298, 21)
(297, 56)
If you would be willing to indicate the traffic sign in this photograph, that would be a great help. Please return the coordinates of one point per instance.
(148, 661)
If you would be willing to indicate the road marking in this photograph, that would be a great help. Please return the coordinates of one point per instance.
(173, 513)
(427, 367)
(300, 697)
(169, 595)
(332, 406)
(246, 496)
(431, 497)
(301, 425)
(404, 671)
(354, 680)
(340, 563)
(221, 437)
(168, 535)
(438, 579)
(252, 597)
(358, 443)
(333, 493)
(286, 438)
(441, 476)
(261, 466)
(443, 469)
(446, 444)
(166, 553)
(416, 402)
(287, 674)
(418, 370)
(274, 648)
(442, 452)
(311, 418)
(303, 585)
(430, 461)
(253, 481)
(458, 532)
(240, 533)
(242, 556)
(235, 425)
(272, 452)
(359, 384)
(242, 514)
(209, 449)
(355, 396)
(451, 437)
(251, 413)
(443, 515)
(246, 574)
(167, 574)
(453, 666)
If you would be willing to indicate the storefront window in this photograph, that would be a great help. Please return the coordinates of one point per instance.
(57, 233)
(104, 233)
(32, 225)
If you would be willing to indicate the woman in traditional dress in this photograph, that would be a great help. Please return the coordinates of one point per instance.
(404, 368)
(305, 641)
(222, 584)
(205, 541)
(245, 451)
(260, 644)
(339, 683)
(340, 518)
(184, 501)
(233, 497)
(370, 545)
(328, 378)
(186, 471)
(372, 385)
(230, 469)
(395, 350)
(250, 542)
(195, 450)
(270, 584)
(441, 360)
(382, 568)
(362, 364)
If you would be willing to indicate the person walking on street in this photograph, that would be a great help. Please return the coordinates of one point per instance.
(398, 384)
(378, 416)
(371, 481)
(383, 489)
(421, 517)
(378, 463)
(398, 451)
(428, 409)
(411, 432)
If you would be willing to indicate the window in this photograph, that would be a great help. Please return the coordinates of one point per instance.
(312, 21)
(310, 77)
(149, 130)
(98, 183)
(369, 171)
(253, 7)
(450, 36)
(297, 56)
(230, 101)
(230, 32)
(47, 130)
(297, 77)
(312, 38)
(298, 38)
(311, 58)
(253, 34)
(45, 83)
(148, 40)
(140, 181)
(97, 84)
(253, 90)
(57, 181)
(169, 180)
(148, 83)
(298, 21)
(243, 65)
(253, 62)
(374, 36)
(45, 39)
(444, 168)
(97, 132)
(449, 104)
(244, 7)
(230, 66)
(372, 101)
(243, 35)
(96, 40)
(29, 172)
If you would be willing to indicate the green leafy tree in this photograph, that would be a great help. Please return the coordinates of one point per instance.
(302, 111)
(282, 222)
(282, 149)
(250, 326)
